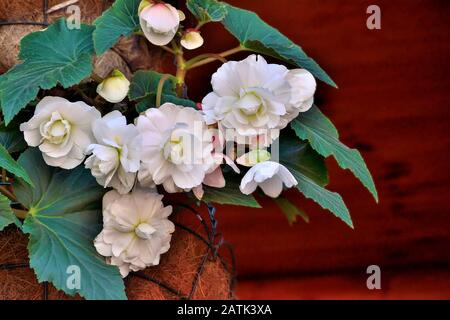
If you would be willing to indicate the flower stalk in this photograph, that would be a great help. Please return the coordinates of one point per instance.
(215, 57)
(181, 73)
(202, 57)
(21, 214)
(7, 193)
(160, 89)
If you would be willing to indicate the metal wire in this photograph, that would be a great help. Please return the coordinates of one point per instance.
(213, 243)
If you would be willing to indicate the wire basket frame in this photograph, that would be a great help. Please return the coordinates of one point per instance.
(213, 241)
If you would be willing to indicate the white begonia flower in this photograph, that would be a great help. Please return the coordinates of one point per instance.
(254, 98)
(136, 230)
(159, 22)
(269, 176)
(62, 130)
(192, 39)
(114, 88)
(176, 149)
(115, 157)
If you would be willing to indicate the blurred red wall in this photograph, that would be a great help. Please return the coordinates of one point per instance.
(392, 104)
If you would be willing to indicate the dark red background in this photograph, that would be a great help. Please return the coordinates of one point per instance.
(392, 103)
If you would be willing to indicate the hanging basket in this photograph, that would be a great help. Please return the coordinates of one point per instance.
(191, 269)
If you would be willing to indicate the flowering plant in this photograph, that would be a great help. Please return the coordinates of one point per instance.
(126, 142)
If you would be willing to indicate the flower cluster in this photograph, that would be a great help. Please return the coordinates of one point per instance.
(170, 146)
(179, 149)
(252, 101)
(141, 135)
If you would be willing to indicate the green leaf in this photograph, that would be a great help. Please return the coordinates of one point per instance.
(207, 10)
(230, 194)
(326, 199)
(299, 156)
(54, 55)
(10, 165)
(308, 167)
(12, 139)
(323, 137)
(7, 216)
(290, 210)
(64, 218)
(256, 35)
(145, 83)
(121, 19)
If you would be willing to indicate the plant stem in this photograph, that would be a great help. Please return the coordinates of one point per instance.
(84, 96)
(202, 57)
(8, 194)
(21, 214)
(160, 89)
(181, 73)
(168, 49)
(212, 59)
(200, 24)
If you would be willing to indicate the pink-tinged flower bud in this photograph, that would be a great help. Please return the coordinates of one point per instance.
(192, 39)
(159, 22)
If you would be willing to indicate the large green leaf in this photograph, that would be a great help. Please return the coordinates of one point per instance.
(254, 34)
(230, 194)
(326, 199)
(308, 167)
(64, 218)
(12, 139)
(323, 137)
(207, 10)
(10, 165)
(7, 216)
(55, 55)
(120, 20)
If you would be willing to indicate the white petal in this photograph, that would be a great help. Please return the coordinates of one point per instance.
(162, 17)
(303, 86)
(215, 179)
(287, 177)
(248, 187)
(272, 187)
(198, 192)
(32, 137)
(49, 104)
